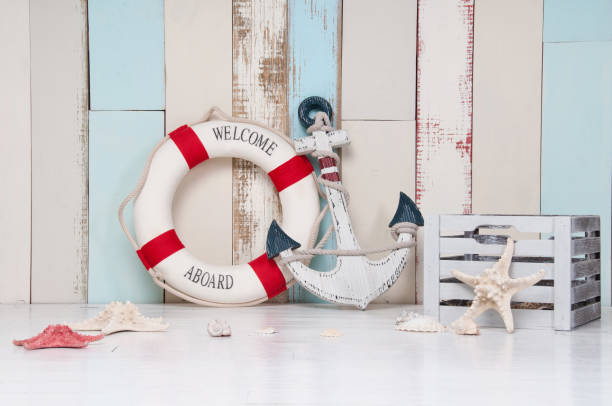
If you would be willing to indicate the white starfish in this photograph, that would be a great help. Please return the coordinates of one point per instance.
(494, 288)
(118, 316)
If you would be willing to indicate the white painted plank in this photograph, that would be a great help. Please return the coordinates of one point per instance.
(523, 318)
(527, 224)
(60, 98)
(443, 111)
(533, 294)
(15, 152)
(563, 281)
(524, 248)
(376, 166)
(433, 269)
(379, 60)
(507, 106)
(517, 269)
(199, 76)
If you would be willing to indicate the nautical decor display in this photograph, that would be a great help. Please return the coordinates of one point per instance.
(118, 316)
(356, 280)
(494, 288)
(561, 252)
(167, 260)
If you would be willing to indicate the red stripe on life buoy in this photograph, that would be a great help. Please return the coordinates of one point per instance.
(269, 274)
(190, 145)
(295, 169)
(159, 248)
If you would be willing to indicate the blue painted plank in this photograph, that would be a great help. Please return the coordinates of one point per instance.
(577, 136)
(313, 53)
(126, 54)
(572, 20)
(119, 144)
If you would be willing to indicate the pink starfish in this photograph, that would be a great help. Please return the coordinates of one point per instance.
(55, 336)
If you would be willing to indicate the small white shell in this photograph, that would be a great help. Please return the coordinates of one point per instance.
(267, 330)
(331, 333)
(410, 321)
(219, 328)
(465, 326)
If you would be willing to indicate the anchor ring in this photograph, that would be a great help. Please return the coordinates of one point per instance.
(310, 104)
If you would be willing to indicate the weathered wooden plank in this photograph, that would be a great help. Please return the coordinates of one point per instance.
(60, 98)
(258, 93)
(119, 144)
(199, 76)
(527, 224)
(313, 52)
(586, 268)
(572, 21)
(443, 111)
(533, 294)
(375, 168)
(586, 291)
(517, 269)
(585, 314)
(507, 106)
(15, 154)
(576, 141)
(524, 248)
(587, 224)
(587, 245)
(126, 54)
(378, 60)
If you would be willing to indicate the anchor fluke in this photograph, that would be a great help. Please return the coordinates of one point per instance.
(407, 212)
(278, 241)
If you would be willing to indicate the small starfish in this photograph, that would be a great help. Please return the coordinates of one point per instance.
(55, 336)
(494, 288)
(118, 316)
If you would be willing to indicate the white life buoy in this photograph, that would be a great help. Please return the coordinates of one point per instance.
(160, 249)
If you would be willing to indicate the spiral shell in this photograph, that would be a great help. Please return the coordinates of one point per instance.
(219, 328)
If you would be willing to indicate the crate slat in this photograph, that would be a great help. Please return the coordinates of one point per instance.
(586, 291)
(589, 245)
(585, 224)
(524, 248)
(585, 314)
(526, 224)
(523, 318)
(533, 294)
(586, 268)
(517, 269)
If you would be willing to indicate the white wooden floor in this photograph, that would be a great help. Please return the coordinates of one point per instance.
(372, 364)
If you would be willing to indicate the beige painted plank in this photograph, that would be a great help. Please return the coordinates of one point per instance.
(379, 60)
(378, 164)
(507, 106)
(259, 93)
(15, 152)
(443, 112)
(59, 151)
(198, 50)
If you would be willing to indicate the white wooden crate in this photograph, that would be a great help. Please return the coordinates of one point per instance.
(566, 247)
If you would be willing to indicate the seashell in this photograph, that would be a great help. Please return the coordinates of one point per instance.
(267, 331)
(118, 316)
(219, 328)
(410, 321)
(465, 326)
(331, 333)
(56, 336)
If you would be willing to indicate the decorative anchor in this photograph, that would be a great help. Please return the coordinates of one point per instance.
(355, 280)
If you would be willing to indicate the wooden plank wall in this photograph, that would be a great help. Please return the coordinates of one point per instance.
(126, 55)
(259, 92)
(443, 111)
(15, 153)
(314, 50)
(378, 110)
(59, 100)
(576, 120)
(199, 76)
